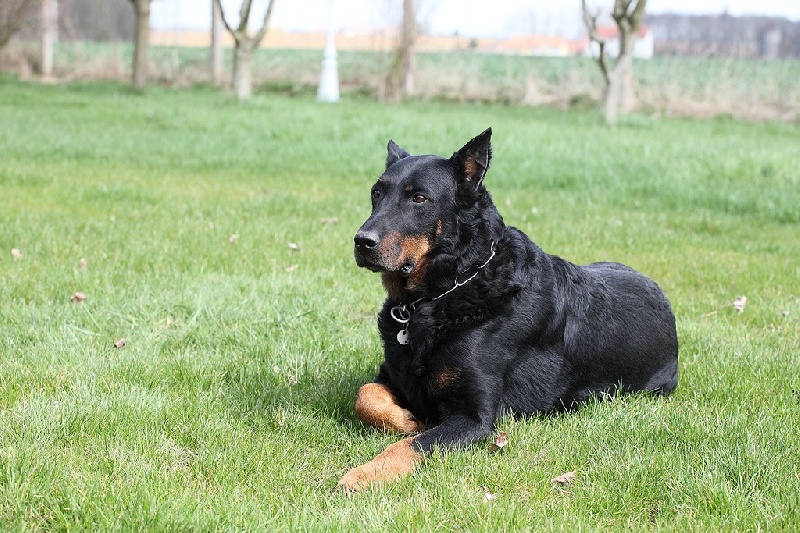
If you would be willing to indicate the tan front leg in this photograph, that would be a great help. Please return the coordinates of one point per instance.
(396, 461)
(377, 406)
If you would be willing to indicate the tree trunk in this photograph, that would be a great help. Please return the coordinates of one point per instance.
(627, 98)
(242, 70)
(400, 81)
(409, 40)
(141, 48)
(615, 90)
(620, 97)
(216, 44)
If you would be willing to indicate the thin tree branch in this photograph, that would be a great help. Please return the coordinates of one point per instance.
(637, 17)
(244, 15)
(601, 61)
(591, 27)
(223, 17)
(263, 31)
(590, 21)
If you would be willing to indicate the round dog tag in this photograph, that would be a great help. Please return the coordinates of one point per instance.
(402, 336)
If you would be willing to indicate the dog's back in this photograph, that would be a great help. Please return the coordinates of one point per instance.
(596, 330)
(631, 332)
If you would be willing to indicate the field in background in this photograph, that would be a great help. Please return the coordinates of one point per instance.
(748, 89)
(216, 238)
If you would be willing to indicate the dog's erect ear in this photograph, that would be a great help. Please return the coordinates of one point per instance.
(473, 159)
(395, 154)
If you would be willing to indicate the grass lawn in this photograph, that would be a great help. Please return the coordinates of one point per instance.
(216, 238)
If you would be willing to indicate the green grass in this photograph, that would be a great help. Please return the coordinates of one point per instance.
(231, 407)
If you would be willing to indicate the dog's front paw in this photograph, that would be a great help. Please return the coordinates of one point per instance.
(352, 482)
(395, 462)
(408, 424)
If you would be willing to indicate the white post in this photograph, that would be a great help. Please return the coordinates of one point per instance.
(49, 32)
(329, 80)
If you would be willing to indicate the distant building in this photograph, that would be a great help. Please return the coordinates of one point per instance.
(642, 47)
(534, 45)
(751, 37)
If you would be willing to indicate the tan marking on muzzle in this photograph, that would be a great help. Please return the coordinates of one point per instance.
(395, 251)
(414, 247)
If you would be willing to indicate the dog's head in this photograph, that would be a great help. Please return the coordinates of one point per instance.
(414, 202)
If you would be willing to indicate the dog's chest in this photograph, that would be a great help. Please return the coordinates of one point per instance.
(413, 367)
(410, 378)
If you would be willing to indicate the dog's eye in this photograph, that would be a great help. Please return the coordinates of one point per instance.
(376, 193)
(420, 198)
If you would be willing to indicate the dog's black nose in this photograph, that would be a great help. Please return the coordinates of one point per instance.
(366, 239)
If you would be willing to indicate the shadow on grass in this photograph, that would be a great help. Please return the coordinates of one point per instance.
(259, 385)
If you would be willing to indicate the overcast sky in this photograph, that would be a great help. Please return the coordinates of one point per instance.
(445, 17)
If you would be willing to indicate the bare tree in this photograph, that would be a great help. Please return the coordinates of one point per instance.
(245, 45)
(628, 16)
(141, 44)
(14, 14)
(400, 81)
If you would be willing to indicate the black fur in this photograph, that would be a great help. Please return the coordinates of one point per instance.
(530, 333)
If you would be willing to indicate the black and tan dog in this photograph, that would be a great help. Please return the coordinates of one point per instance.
(480, 321)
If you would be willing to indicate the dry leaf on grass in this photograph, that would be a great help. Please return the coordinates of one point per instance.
(291, 268)
(82, 264)
(119, 343)
(488, 496)
(739, 302)
(233, 238)
(499, 443)
(16, 253)
(78, 297)
(294, 246)
(330, 220)
(564, 479)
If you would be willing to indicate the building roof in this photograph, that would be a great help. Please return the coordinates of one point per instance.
(612, 32)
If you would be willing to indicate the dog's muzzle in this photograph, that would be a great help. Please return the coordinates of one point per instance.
(381, 255)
